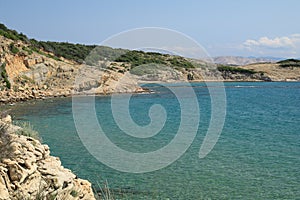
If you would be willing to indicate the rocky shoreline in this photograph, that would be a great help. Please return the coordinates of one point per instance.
(10, 96)
(28, 171)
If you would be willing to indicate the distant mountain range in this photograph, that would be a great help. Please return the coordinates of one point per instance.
(238, 60)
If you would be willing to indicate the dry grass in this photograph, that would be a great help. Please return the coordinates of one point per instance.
(104, 192)
(27, 130)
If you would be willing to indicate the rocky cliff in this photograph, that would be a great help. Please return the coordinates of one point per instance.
(28, 171)
(38, 74)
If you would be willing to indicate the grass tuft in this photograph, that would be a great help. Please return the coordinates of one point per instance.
(104, 193)
(27, 130)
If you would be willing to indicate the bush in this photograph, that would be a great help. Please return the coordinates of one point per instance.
(235, 70)
(75, 52)
(147, 69)
(91, 54)
(13, 49)
(181, 62)
(137, 58)
(28, 50)
(12, 34)
(4, 76)
(289, 63)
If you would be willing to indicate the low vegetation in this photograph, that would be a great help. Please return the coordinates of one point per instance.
(289, 63)
(103, 53)
(145, 69)
(13, 49)
(28, 50)
(12, 34)
(4, 76)
(91, 54)
(27, 130)
(235, 70)
(55, 50)
(104, 192)
(138, 58)
(75, 52)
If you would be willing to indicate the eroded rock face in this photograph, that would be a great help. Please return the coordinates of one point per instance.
(36, 76)
(27, 170)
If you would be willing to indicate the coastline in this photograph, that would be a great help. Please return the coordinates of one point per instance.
(7, 97)
(28, 169)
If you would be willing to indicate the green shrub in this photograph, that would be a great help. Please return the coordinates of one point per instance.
(8, 35)
(181, 62)
(12, 34)
(235, 70)
(13, 49)
(4, 75)
(91, 54)
(289, 63)
(76, 52)
(147, 69)
(28, 50)
(137, 58)
(8, 85)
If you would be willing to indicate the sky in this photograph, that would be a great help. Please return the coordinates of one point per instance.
(260, 28)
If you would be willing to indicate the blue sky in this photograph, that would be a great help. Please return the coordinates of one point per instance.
(222, 27)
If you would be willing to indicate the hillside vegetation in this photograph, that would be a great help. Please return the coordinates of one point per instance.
(91, 53)
(289, 63)
(4, 76)
(235, 70)
(37, 69)
(137, 58)
(75, 52)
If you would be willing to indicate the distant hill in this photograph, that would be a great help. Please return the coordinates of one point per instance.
(238, 60)
(289, 63)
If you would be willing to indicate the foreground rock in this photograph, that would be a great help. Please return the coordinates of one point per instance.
(28, 171)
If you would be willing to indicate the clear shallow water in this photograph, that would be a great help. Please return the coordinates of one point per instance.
(256, 157)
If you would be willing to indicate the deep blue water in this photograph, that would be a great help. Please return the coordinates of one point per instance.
(256, 157)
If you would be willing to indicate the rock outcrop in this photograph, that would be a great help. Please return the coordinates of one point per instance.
(28, 171)
(38, 75)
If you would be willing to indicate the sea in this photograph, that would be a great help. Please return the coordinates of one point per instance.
(254, 150)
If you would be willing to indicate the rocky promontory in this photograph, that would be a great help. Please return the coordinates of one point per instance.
(28, 171)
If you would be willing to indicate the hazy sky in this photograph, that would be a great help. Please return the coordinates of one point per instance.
(222, 27)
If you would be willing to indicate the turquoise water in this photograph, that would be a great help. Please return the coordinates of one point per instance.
(256, 157)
